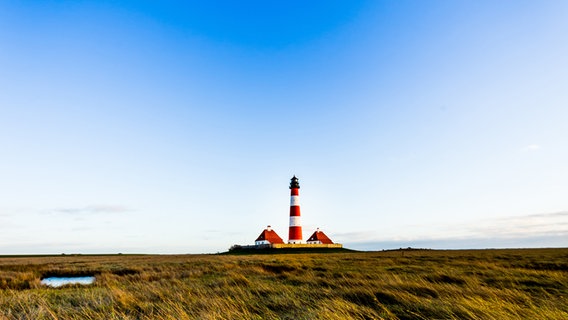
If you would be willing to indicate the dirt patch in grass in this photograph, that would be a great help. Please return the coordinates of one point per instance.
(387, 298)
(446, 278)
(125, 272)
(362, 298)
(278, 269)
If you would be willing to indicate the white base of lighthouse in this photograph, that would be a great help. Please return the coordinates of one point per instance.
(295, 241)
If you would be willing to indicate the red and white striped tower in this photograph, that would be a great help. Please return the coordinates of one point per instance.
(295, 233)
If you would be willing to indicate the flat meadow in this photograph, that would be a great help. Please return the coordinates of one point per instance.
(401, 284)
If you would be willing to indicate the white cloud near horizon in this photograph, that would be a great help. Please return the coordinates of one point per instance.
(500, 230)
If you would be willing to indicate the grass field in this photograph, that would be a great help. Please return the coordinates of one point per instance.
(409, 284)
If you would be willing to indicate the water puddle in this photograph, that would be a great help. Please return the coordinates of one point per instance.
(61, 281)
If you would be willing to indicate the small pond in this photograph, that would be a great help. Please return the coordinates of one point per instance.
(61, 281)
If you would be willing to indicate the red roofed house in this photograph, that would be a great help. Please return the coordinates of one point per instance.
(268, 236)
(319, 238)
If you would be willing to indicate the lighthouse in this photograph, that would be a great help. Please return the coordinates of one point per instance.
(295, 231)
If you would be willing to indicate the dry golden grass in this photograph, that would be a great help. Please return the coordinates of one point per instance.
(476, 284)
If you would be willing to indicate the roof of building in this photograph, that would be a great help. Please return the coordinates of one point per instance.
(320, 236)
(270, 236)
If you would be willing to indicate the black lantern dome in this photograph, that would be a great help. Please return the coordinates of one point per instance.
(294, 183)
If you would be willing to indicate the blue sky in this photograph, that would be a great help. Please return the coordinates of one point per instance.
(174, 127)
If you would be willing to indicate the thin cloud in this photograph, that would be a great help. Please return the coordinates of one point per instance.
(531, 148)
(93, 209)
(553, 214)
